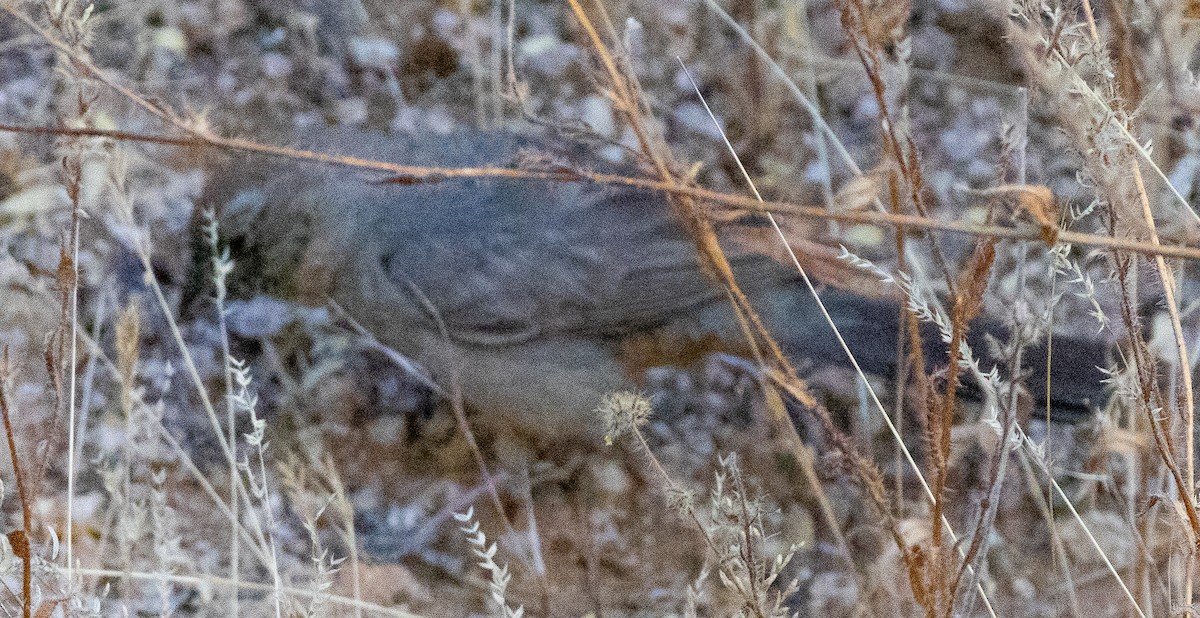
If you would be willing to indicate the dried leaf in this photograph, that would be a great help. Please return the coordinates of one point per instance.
(858, 193)
(1036, 202)
(820, 261)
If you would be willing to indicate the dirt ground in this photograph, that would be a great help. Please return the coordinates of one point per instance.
(350, 508)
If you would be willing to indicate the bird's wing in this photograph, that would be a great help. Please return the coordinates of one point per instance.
(510, 260)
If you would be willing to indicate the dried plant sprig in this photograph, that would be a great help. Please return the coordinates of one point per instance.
(324, 565)
(784, 376)
(736, 524)
(222, 267)
(1038, 456)
(942, 590)
(1063, 264)
(316, 493)
(73, 23)
(623, 412)
(1105, 129)
(255, 474)
(736, 560)
(926, 311)
(486, 552)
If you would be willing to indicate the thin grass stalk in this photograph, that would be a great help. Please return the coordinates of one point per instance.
(1078, 518)
(627, 99)
(966, 306)
(96, 352)
(74, 243)
(723, 206)
(1142, 568)
(805, 51)
(1168, 284)
(454, 395)
(1148, 397)
(495, 108)
(18, 539)
(345, 510)
(1188, 490)
(1144, 154)
(1012, 158)
(861, 375)
(208, 581)
(64, 19)
(221, 265)
(904, 154)
(255, 543)
(800, 451)
(1044, 508)
(1113, 113)
(267, 538)
(824, 131)
(81, 423)
(276, 578)
(903, 151)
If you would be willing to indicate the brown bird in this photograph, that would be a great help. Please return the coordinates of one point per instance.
(550, 294)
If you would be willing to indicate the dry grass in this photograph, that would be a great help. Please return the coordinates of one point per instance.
(168, 457)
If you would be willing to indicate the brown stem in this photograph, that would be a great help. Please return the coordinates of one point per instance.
(18, 538)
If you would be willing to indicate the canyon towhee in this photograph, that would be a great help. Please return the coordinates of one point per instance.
(550, 294)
